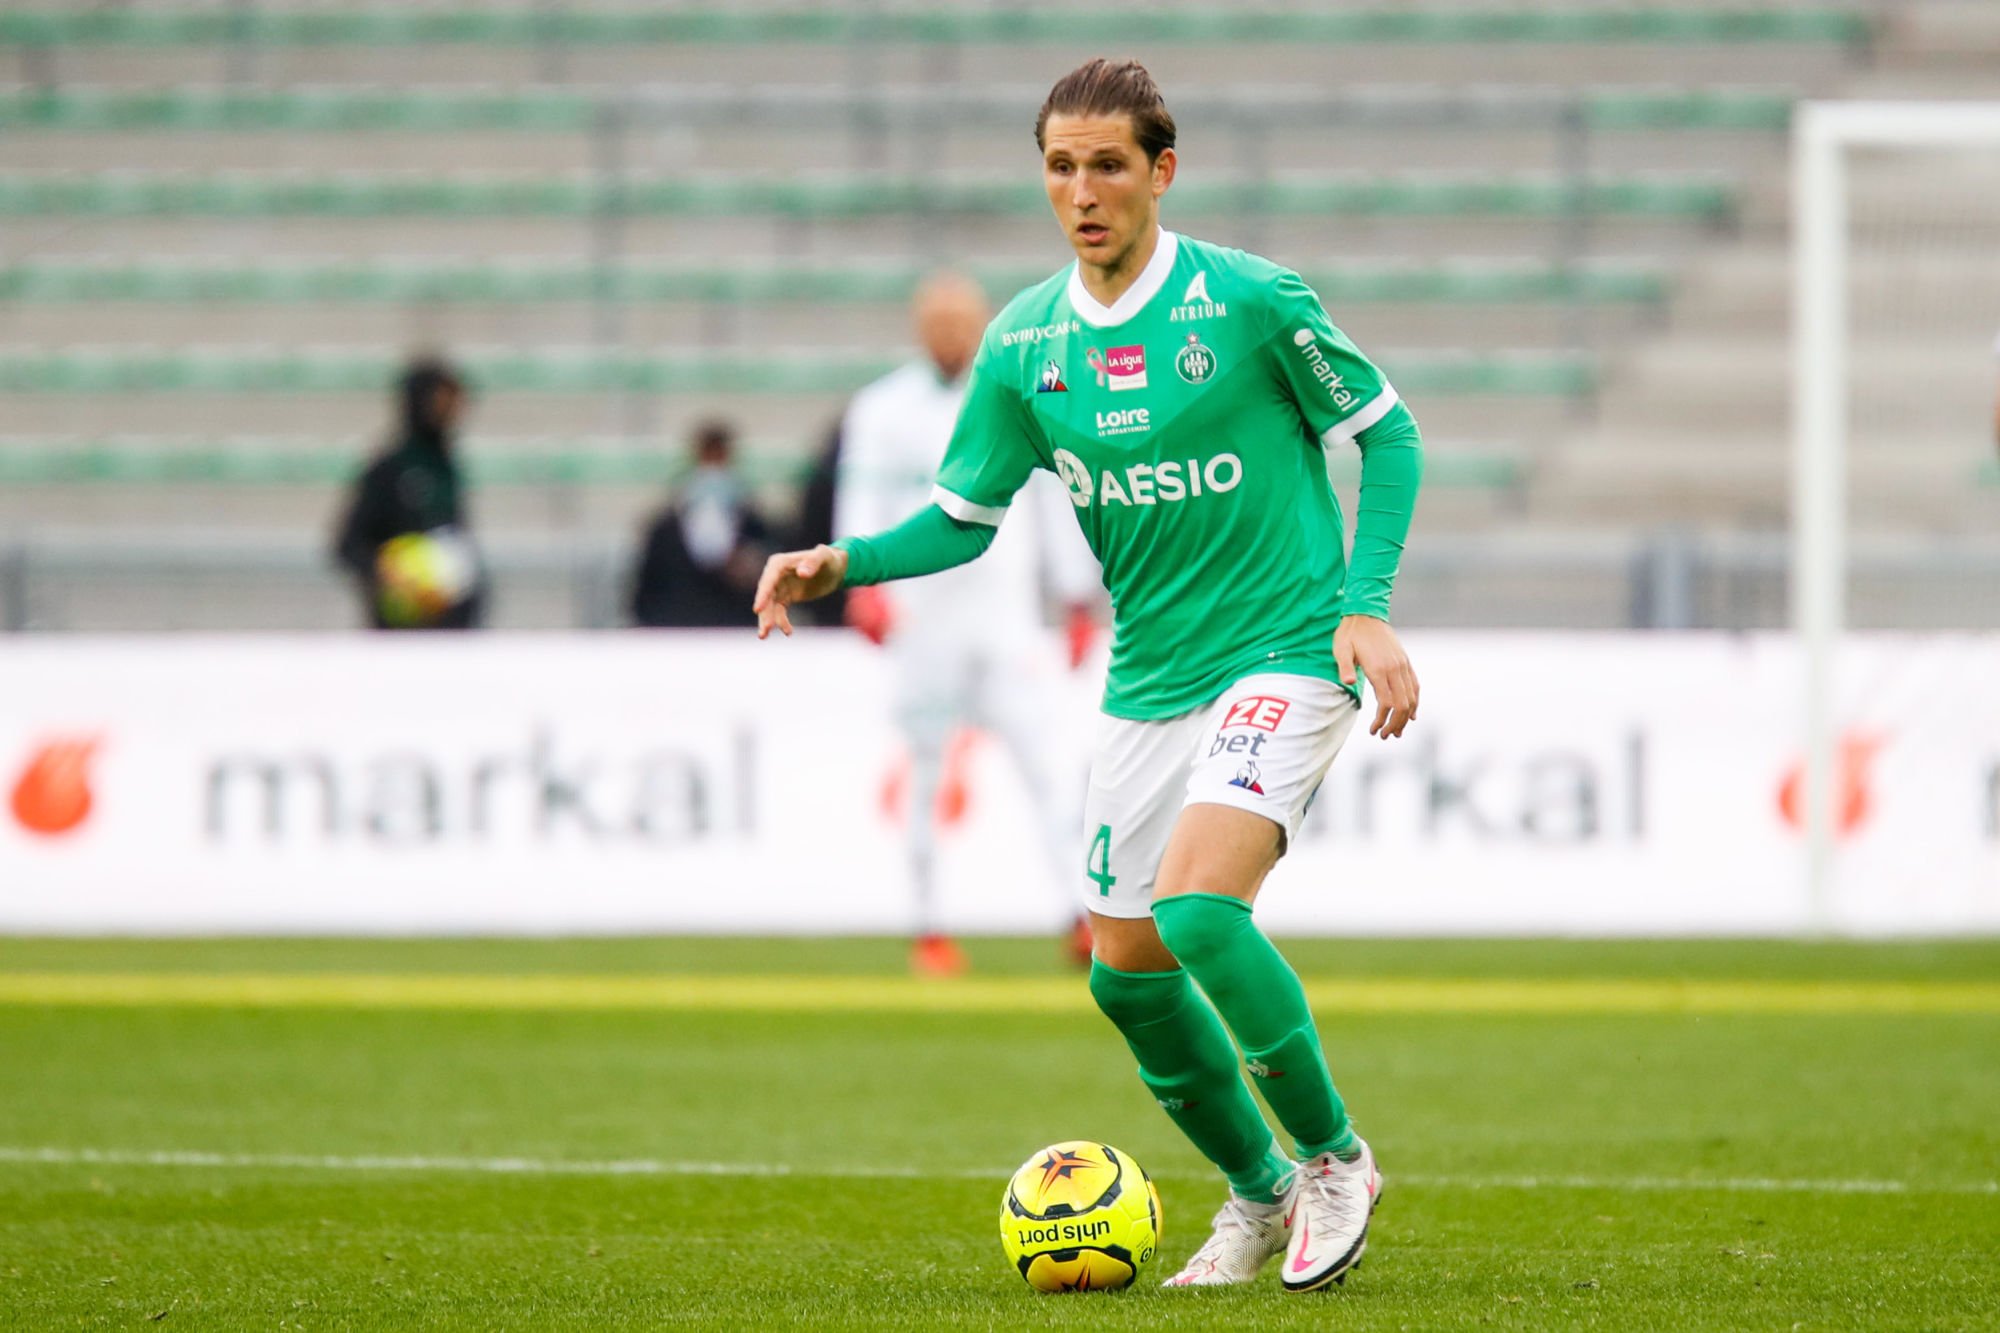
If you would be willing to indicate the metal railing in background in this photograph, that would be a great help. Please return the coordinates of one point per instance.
(85, 581)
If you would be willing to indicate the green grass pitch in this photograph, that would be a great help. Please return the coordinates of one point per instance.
(373, 1135)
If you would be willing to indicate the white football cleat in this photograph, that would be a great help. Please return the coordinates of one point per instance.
(1246, 1235)
(1329, 1222)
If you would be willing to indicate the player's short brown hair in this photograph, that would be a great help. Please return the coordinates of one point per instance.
(1105, 88)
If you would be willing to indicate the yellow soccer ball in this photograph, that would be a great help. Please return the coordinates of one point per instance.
(1080, 1216)
(423, 575)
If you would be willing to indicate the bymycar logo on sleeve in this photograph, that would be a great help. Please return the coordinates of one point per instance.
(1119, 368)
(1322, 369)
(1039, 333)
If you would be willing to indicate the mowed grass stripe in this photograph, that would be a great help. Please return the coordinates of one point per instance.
(886, 994)
(649, 1166)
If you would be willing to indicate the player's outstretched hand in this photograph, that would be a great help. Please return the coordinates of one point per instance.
(795, 576)
(1370, 644)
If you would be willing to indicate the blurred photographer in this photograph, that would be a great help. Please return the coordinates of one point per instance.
(404, 536)
(703, 552)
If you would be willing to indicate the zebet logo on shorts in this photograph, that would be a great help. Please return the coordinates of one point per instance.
(1259, 712)
(1169, 482)
(1262, 711)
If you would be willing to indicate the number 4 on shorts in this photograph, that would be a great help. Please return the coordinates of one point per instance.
(1098, 863)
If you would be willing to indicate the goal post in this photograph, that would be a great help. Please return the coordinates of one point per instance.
(1824, 135)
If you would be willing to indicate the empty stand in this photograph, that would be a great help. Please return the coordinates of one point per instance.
(1560, 228)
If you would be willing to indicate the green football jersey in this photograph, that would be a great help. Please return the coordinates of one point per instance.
(1189, 422)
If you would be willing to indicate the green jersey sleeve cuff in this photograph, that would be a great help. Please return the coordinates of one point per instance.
(1370, 412)
(926, 542)
(964, 510)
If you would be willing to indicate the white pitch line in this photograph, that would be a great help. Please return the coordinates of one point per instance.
(1722, 1184)
(646, 1166)
(496, 1166)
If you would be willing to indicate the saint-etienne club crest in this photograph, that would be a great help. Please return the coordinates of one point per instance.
(1195, 363)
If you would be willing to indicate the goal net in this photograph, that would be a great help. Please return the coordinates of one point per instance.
(1896, 377)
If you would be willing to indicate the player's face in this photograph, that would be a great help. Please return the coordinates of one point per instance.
(1104, 192)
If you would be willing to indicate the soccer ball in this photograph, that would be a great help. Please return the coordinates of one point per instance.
(423, 575)
(1080, 1216)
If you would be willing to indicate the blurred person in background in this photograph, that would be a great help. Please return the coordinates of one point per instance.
(405, 536)
(703, 551)
(969, 646)
(815, 522)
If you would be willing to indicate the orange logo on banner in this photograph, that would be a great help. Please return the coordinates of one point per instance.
(52, 795)
(954, 796)
(1853, 800)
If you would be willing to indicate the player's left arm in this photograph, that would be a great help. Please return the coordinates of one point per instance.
(1343, 396)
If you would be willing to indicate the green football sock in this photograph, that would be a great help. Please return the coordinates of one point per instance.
(1259, 996)
(1186, 1060)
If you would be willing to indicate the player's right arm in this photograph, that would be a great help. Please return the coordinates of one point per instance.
(990, 457)
(1343, 396)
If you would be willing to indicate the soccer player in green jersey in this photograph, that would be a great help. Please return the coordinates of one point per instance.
(1185, 394)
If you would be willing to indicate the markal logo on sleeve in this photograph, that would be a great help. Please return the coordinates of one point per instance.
(1322, 369)
(1119, 368)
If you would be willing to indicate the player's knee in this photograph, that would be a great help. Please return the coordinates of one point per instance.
(1130, 944)
(1113, 993)
(1130, 999)
(1198, 927)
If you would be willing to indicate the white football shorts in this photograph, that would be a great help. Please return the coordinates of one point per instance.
(1264, 746)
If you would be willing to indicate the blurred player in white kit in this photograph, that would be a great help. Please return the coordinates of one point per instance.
(970, 646)
(1996, 398)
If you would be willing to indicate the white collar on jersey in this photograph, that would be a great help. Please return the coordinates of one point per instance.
(1145, 288)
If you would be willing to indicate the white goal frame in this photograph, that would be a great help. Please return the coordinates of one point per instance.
(1822, 134)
